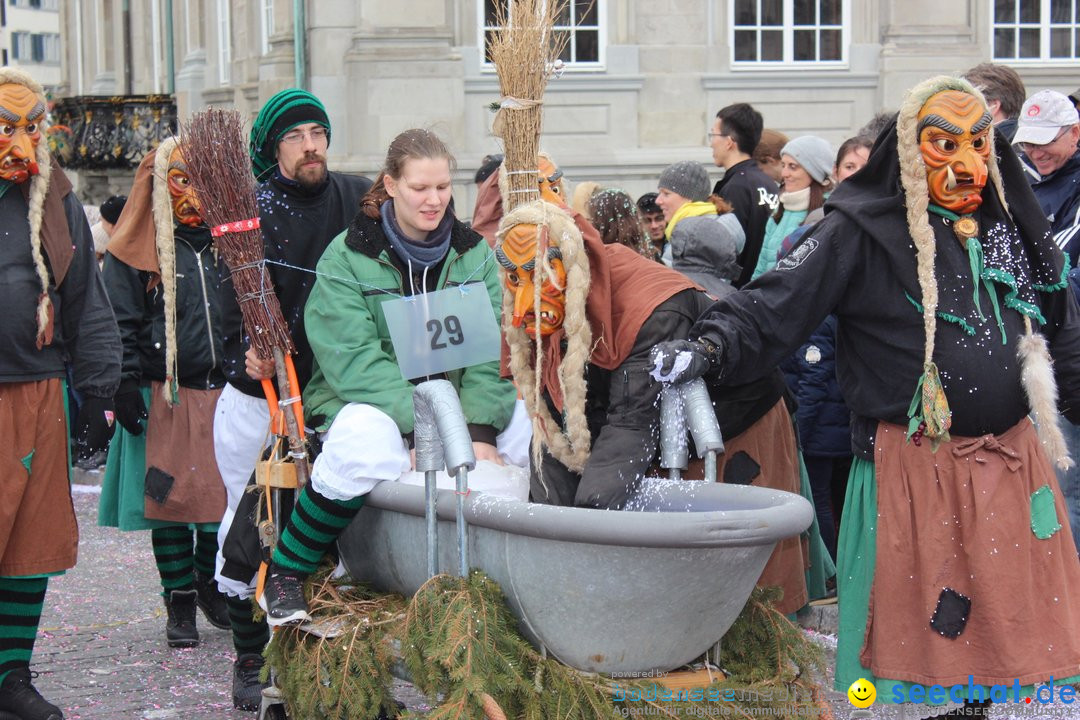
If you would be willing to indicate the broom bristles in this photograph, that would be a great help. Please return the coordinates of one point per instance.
(219, 170)
(524, 51)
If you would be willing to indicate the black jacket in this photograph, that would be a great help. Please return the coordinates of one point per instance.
(753, 196)
(860, 263)
(140, 315)
(623, 411)
(296, 226)
(84, 331)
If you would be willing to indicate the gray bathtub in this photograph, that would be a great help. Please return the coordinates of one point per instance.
(648, 589)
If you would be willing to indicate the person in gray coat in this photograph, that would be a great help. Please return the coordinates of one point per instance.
(704, 236)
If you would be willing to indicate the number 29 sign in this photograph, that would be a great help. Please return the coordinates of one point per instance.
(442, 330)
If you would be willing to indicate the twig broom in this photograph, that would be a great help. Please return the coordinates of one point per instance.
(220, 173)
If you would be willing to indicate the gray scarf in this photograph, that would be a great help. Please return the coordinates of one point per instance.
(420, 254)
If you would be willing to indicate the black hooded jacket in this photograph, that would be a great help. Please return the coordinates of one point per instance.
(296, 226)
(860, 263)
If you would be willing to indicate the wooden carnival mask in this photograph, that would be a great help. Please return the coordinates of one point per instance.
(551, 184)
(954, 139)
(21, 115)
(517, 255)
(184, 203)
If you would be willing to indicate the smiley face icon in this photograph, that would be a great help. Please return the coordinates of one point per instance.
(862, 693)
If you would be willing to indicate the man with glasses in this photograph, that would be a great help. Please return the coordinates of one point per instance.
(302, 206)
(1047, 132)
(734, 135)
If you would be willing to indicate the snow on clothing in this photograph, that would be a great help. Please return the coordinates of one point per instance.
(795, 206)
(752, 195)
(176, 442)
(859, 263)
(705, 246)
(38, 533)
(355, 360)
(1059, 197)
(297, 226)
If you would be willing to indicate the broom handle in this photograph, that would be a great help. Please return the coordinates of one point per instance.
(296, 443)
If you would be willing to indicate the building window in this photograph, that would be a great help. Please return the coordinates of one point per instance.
(53, 5)
(267, 20)
(579, 22)
(1043, 30)
(224, 42)
(42, 48)
(789, 31)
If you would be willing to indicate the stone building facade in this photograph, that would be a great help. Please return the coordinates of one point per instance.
(30, 38)
(642, 81)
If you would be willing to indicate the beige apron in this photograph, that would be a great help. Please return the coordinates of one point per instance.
(38, 531)
(771, 443)
(182, 480)
(985, 518)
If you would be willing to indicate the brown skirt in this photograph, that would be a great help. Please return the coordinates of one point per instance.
(182, 480)
(770, 442)
(976, 571)
(38, 530)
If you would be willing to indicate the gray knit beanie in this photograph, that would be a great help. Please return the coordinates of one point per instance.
(814, 154)
(687, 178)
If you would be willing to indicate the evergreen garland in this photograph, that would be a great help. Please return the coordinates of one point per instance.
(462, 648)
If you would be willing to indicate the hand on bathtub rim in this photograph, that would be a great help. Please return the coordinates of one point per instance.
(680, 361)
(481, 451)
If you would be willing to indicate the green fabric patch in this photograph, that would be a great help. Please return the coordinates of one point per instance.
(26, 461)
(1044, 519)
(5, 185)
(964, 325)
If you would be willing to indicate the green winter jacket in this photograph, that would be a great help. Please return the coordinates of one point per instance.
(354, 357)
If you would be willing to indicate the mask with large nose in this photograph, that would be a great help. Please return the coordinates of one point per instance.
(184, 203)
(954, 139)
(21, 115)
(517, 254)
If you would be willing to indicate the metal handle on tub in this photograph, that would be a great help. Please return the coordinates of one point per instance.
(682, 407)
(442, 437)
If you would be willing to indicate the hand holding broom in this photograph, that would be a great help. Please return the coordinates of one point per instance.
(220, 173)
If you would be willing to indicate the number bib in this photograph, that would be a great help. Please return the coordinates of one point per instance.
(443, 330)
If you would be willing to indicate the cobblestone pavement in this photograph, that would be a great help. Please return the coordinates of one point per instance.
(102, 655)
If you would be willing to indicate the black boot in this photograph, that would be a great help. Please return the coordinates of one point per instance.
(246, 686)
(211, 601)
(18, 696)
(180, 628)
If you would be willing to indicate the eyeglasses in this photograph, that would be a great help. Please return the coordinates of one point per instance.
(293, 137)
(710, 135)
(1029, 147)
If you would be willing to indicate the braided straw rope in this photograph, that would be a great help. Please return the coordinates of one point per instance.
(166, 252)
(526, 355)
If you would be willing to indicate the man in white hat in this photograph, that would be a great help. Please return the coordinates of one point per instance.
(1047, 131)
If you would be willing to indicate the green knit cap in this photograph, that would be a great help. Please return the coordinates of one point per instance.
(279, 115)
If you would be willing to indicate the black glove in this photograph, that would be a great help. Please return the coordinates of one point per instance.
(130, 408)
(702, 357)
(94, 426)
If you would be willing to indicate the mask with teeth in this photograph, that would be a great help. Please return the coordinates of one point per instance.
(21, 114)
(517, 254)
(954, 139)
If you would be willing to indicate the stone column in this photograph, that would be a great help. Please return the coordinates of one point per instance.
(401, 71)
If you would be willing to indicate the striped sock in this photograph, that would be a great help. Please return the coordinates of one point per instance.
(21, 600)
(205, 552)
(314, 525)
(173, 551)
(248, 636)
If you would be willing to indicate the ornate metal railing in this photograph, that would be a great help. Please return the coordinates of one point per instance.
(96, 132)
